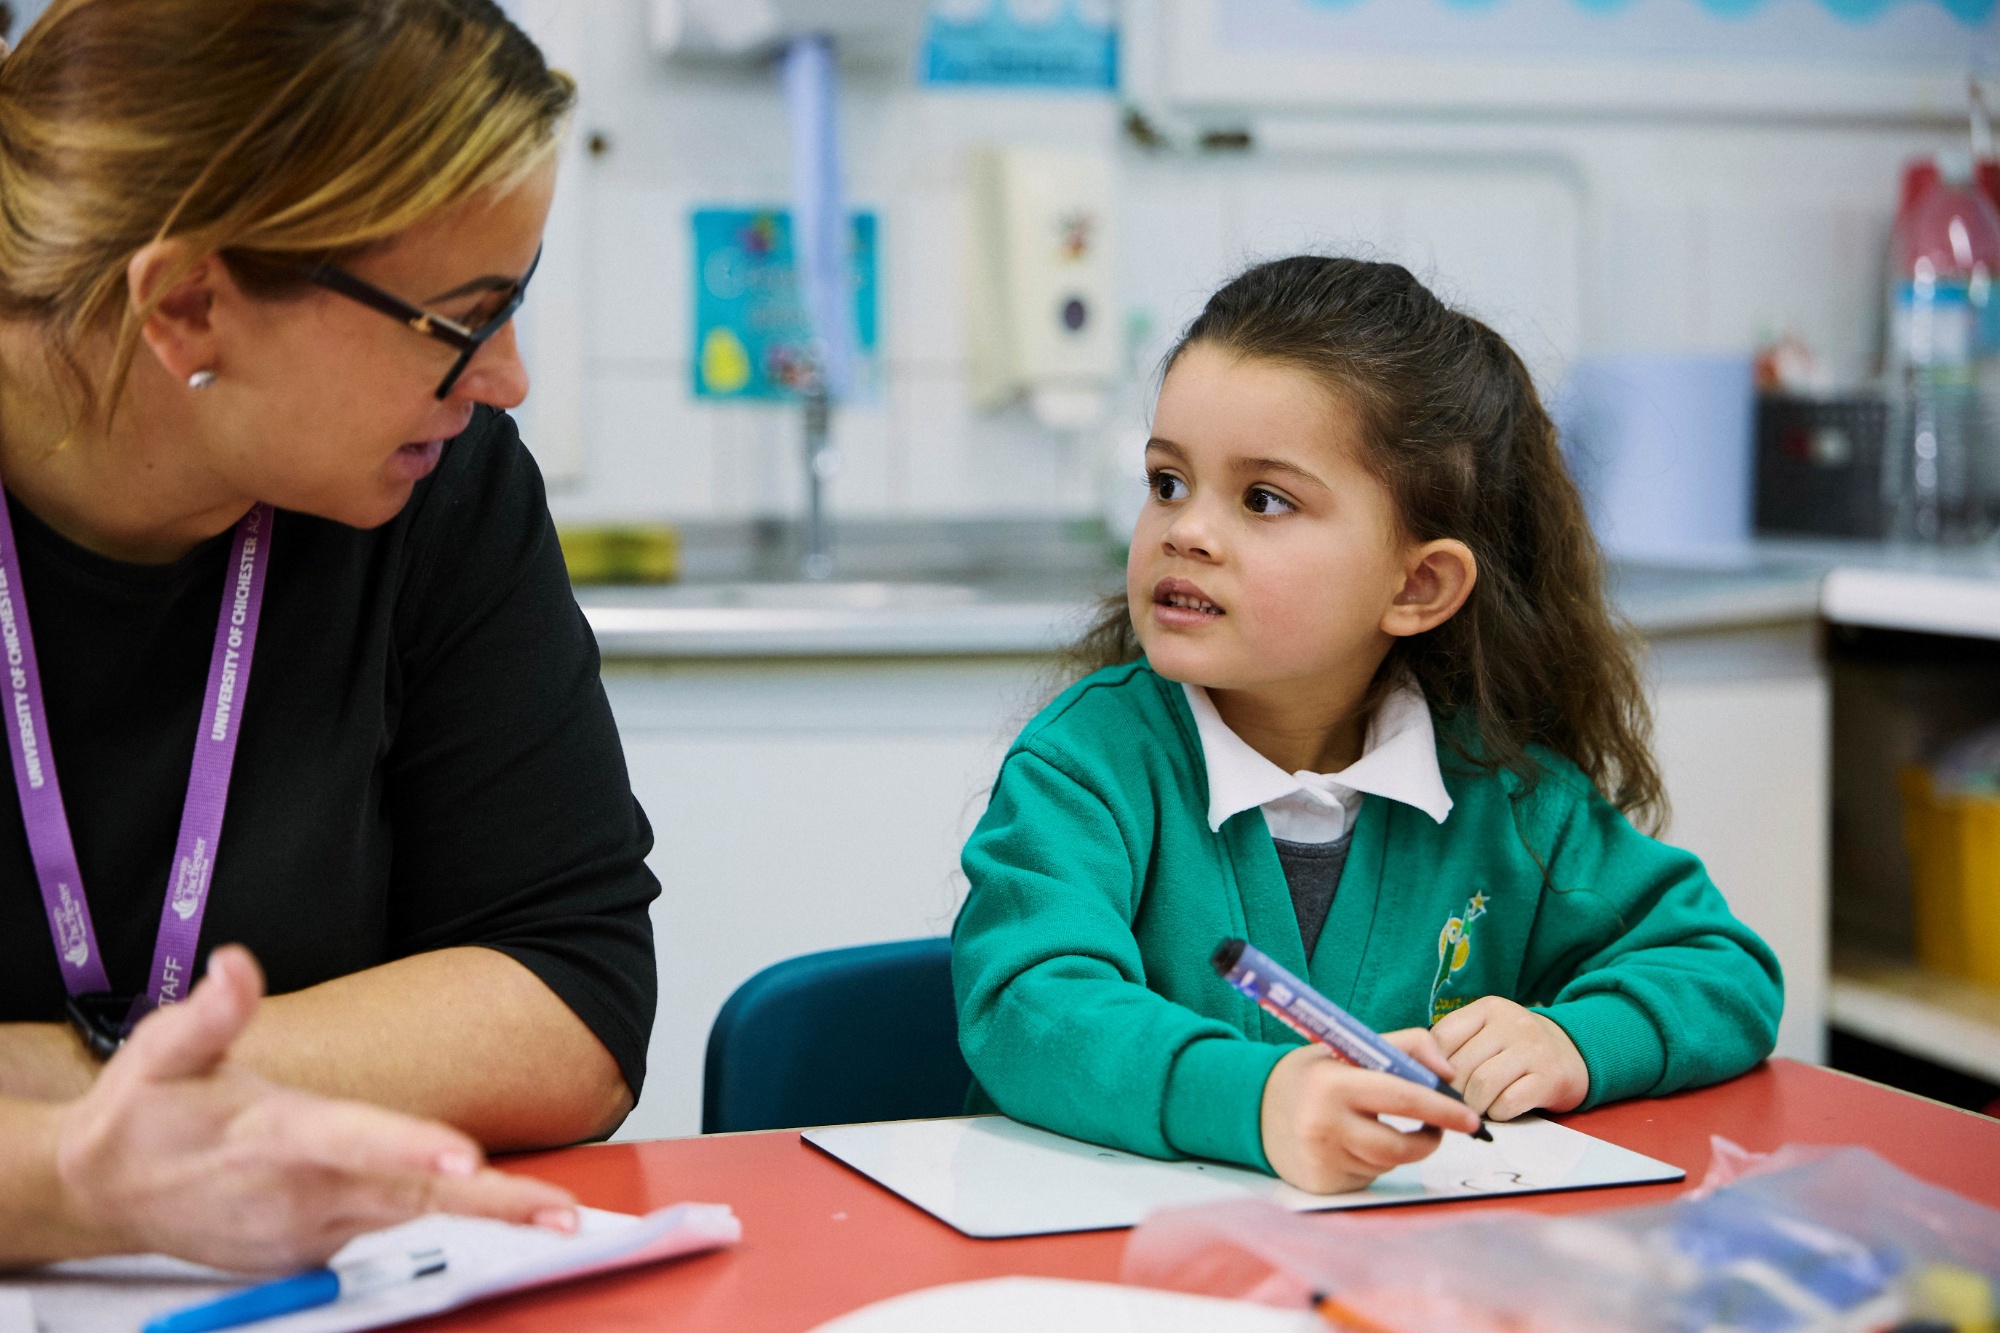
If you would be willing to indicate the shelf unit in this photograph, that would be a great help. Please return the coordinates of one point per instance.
(1962, 603)
(1943, 1019)
(1891, 1001)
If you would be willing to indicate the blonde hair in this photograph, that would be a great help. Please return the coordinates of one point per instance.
(269, 132)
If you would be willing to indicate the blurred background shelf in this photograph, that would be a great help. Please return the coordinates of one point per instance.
(1964, 601)
(1942, 1019)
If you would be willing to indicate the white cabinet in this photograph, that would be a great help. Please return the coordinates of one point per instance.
(799, 806)
(1743, 735)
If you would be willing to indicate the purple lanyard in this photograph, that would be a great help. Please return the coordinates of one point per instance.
(42, 810)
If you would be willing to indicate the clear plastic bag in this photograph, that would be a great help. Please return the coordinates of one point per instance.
(1803, 1240)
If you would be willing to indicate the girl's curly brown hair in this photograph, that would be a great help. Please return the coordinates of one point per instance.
(1458, 434)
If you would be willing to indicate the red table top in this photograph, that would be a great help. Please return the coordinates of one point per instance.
(820, 1239)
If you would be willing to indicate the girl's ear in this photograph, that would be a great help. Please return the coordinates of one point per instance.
(1437, 578)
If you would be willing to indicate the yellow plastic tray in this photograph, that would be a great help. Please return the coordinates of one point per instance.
(1954, 845)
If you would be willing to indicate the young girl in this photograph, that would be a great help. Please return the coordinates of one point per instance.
(1364, 705)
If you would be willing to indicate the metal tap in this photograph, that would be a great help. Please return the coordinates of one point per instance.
(822, 462)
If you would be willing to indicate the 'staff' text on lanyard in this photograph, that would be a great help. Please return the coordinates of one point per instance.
(42, 812)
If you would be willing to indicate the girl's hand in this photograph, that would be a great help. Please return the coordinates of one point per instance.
(1511, 1059)
(177, 1150)
(1319, 1116)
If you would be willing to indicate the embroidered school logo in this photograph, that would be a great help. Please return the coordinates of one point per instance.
(1454, 950)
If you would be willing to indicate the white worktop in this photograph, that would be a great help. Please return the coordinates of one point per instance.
(1771, 582)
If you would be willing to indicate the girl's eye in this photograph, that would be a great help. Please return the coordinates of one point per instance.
(1261, 501)
(1166, 486)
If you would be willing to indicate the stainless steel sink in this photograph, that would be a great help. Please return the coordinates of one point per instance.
(802, 596)
(820, 619)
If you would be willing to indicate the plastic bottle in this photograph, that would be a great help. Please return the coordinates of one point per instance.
(1985, 161)
(1941, 478)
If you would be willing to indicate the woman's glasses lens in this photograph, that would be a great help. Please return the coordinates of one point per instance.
(468, 334)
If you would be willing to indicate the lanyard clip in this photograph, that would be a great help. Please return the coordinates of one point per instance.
(103, 1020)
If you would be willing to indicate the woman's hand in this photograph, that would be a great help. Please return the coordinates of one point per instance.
(1319, 1117)
(1511, 1060)
(175, 1149)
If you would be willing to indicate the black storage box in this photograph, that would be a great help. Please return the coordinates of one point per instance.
(1819, 465)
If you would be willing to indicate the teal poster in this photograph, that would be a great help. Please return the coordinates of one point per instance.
(751, 340)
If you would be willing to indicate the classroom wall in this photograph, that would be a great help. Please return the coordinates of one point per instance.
(1625, 234)
(1619, 235)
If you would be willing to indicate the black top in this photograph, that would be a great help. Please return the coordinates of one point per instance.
(426, 759)
(1312, 873)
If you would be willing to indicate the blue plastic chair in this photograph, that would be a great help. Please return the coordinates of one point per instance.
(869, 1033)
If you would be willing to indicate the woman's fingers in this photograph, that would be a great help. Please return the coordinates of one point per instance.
(234, 971)
(356, 1138)
(510, 1198)
(409, 1166)
(333, 1209)
(191, 1039)
(189, 1153)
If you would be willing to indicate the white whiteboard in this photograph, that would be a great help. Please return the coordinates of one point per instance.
(990, 1177)
(1906, 58)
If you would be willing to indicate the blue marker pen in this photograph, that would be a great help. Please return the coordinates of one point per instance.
(304, 1291)
(1316, 1018)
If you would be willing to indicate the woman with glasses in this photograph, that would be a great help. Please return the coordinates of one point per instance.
(290, 657)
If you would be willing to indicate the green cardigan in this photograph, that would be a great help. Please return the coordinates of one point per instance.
(1087, 1005)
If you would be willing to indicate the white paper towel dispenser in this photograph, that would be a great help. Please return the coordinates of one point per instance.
(1041, 300)
(731, 29)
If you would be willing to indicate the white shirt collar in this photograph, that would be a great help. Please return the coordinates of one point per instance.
(1398, 761)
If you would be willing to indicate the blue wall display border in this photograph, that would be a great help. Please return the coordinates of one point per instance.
(1067, 45)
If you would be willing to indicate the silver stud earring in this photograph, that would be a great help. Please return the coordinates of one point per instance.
(201, 379)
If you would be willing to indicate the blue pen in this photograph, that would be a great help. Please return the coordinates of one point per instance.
(1316, 1018)
(289, 1295)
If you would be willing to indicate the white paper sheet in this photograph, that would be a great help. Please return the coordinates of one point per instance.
(484, 1258)
(17, 1312)
(1057, 1305)
(989, 1176)
(99, 1295)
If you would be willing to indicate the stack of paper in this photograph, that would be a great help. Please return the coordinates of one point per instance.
(483, 1259)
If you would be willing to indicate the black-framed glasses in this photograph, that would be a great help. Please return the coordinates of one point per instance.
(467, 339)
